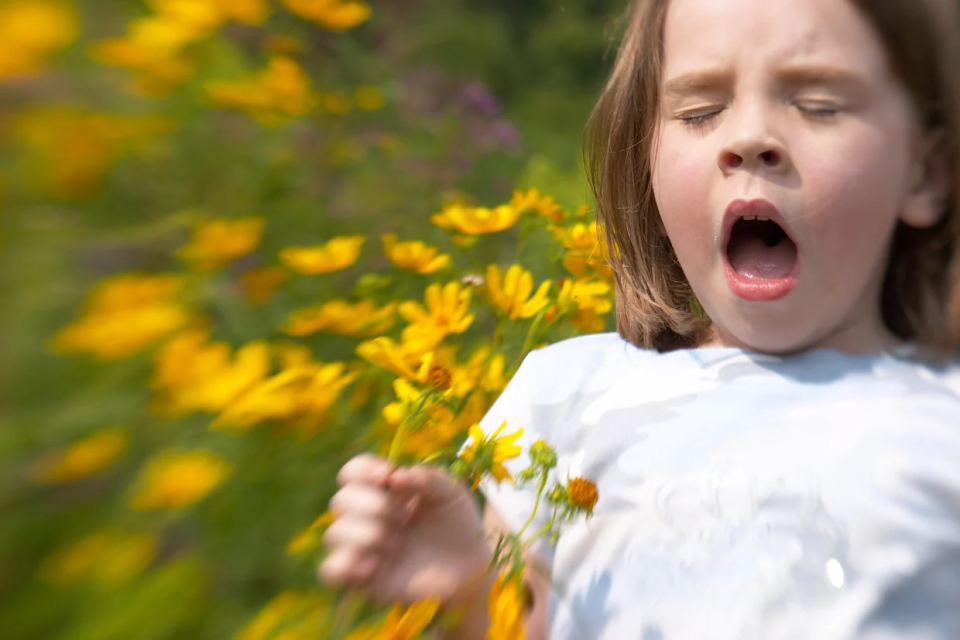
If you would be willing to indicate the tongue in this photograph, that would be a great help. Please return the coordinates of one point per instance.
(750, 256)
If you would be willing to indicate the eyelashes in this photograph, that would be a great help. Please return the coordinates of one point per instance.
(816, 112)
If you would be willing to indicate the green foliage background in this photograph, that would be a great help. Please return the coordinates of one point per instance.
(542, 63)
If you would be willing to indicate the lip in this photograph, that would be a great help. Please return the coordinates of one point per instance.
(745, 288)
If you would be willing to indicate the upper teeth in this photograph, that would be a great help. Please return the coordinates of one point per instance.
(760, 218)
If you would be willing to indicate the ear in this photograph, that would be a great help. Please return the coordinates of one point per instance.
(930, 184)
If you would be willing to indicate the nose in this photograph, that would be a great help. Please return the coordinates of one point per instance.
(752, 146)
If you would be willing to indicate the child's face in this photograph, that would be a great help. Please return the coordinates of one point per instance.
(785, 109)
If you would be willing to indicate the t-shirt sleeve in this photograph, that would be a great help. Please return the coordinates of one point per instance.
(516, 407)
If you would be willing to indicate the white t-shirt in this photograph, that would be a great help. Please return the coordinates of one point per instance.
(743, 495)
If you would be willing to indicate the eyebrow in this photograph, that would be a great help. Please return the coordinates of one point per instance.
(713, 79)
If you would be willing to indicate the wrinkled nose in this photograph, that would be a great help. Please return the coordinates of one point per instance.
(752, 145)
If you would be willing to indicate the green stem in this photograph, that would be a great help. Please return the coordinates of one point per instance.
(539, 534)
(396, 446)
(498, 332)
(528, 342)
(536, 505)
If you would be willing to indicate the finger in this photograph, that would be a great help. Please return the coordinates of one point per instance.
(369, 502)
(348, 567)
(365, 469)
(363, 534)
(427, 484)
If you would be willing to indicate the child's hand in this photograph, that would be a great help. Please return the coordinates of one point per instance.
(404, 535)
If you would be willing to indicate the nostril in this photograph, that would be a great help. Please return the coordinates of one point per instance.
(770, 158)
(732, 160)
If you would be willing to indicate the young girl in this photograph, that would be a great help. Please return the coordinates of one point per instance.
(773, 431)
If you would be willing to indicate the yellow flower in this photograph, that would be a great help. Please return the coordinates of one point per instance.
(305, 391)
(507, 604)
(110, 556)
(252, 12)
(583, 302)
(30, 31)
(123, 315)
(339, 316)
(544, 206)
(414, 255)
(153, 48)
(259, 285)
(476, 220)
(74, 148)
(586, 250)
(280, 92)
(401, 623)
(333, 15)
(219, 241)
(446, 312)
(487, 454)
(84, 458)
(401, 358)
(336, 255)
(174, 480)
(368, 98)
(511, 293)
(309, 538)
(196, 375)
(291, 615)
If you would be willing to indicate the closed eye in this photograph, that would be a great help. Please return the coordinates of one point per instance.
(818, 110)
(697, 119)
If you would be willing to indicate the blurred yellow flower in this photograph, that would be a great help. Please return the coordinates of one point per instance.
(402, 358)
(252, 12)
(73, 148)
(476, 220)
(110, 556)
(401, 623)
(309, 539)
(414, 255)
(541, 205)
(507, 605)
(486, 454)
(333, 15)
(304, 391)
(152, 49)
(123, 315)
(586, 250)
(259, 284)
(84, 458)
(291, 615)
(447, 311)
(174, 480)
(583, 301)
(511, 293)
(368, 98)
(336, 255)
(280, 92)
(339, 316)
(30, 31)
(193, 374)
(217, 242)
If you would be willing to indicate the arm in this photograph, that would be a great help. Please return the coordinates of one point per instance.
(473, 624)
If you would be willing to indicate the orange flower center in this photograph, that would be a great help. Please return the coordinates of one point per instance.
(583, 493)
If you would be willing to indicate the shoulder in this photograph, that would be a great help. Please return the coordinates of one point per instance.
(579, 364)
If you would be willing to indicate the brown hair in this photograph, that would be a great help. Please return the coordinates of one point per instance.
(655, 304)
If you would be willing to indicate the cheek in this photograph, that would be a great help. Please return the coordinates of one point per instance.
(681, 186)
(854, 192)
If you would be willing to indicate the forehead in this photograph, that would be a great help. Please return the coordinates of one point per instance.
(699, 33)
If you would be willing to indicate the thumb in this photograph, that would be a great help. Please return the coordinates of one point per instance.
(429, 484)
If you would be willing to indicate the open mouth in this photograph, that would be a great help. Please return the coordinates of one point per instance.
(759, 249)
